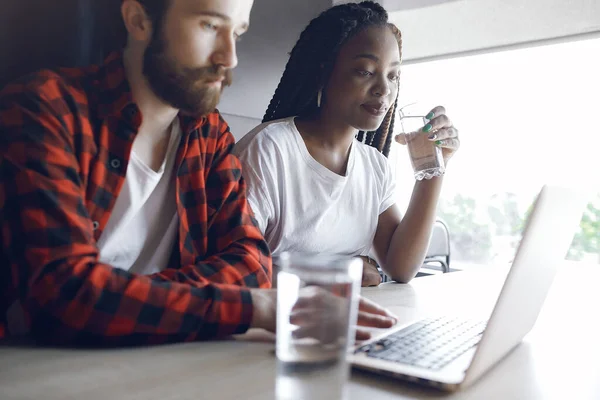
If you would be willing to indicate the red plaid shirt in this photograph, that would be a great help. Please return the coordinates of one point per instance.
(65, 142)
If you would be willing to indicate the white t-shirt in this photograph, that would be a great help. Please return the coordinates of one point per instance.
(141, 230)
(300, 205)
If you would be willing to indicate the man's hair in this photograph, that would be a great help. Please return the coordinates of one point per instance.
(117, 38)
(312, 60)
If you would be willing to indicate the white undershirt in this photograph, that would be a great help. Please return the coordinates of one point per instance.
(141, 230)
(300, 205)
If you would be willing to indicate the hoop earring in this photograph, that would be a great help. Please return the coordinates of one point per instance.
(319, 97)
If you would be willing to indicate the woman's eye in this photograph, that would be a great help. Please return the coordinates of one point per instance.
(395, 78)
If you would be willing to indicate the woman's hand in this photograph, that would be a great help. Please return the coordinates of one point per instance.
(370, 275)
(441, 131)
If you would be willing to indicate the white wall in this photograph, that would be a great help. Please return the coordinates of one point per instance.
(240, 125)
(275, 26)
(468, 25)
(450, 28)
(397, 5)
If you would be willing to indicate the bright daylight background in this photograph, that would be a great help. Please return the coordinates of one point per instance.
(526, 117)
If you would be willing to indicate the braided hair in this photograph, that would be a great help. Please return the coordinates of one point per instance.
(313, 57)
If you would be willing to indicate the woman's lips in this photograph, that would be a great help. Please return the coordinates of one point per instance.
(376, 111)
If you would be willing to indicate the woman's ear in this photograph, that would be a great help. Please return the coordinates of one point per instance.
(321, 85)
(319, 97)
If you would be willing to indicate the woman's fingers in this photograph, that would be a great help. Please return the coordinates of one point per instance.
(401, 138)
(439, 128)
(370, 276)
(437, 124)
(436, 112)
(451, 144)
(444, 133)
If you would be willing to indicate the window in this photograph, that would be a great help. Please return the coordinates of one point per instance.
(526, 117)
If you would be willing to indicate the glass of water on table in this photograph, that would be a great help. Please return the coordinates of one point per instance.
(317, 309)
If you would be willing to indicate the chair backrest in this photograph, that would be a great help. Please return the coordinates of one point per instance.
(438, 251)
(439, 246)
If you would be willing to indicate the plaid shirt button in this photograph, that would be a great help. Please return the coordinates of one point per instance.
(115, 163)
(131, 110)
(96, 225)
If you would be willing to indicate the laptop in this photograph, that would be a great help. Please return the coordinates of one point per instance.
(450, 353)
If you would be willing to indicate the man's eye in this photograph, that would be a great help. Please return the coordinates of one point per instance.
(364, 73)
(208, 25)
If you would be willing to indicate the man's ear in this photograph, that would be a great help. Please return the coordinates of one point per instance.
(137, 23)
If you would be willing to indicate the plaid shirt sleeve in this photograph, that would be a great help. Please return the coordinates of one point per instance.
(48, 243)
(237, 251)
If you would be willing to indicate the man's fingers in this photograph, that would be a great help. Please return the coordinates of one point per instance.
(312, 315)
(306, 331)
(324, 334)
(375, 321)
(314, 333)
(362, 335)
(368, 306)
(313, 296)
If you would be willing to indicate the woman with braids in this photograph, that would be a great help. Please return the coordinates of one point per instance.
(317, 179)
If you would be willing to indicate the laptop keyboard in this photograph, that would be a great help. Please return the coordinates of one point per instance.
(430, 343)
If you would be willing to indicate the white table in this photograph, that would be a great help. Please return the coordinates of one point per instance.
(559, 359)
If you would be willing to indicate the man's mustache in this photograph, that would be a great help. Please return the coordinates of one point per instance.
(211, 74)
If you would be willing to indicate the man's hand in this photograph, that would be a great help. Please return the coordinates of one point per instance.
(317, 308)
(264, 309)
(373, 315)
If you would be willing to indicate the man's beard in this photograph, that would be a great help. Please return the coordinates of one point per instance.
(181, 87)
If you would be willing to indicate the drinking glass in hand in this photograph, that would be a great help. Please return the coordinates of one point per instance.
(426, 158)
